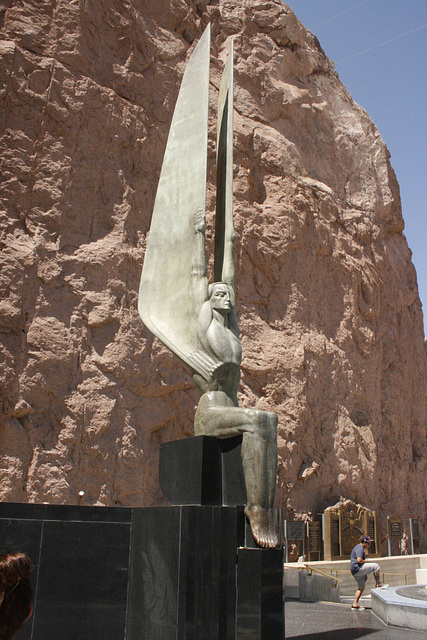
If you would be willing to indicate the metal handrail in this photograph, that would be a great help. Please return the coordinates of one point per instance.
(383, 573)
(389, 573)
(309, 569)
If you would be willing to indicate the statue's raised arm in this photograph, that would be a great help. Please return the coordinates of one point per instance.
(224, 225)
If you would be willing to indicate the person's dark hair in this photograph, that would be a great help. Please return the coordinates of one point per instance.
(15, 593)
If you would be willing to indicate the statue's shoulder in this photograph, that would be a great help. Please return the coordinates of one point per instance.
(205, 314)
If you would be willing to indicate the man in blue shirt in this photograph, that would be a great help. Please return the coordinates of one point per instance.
(360, 569)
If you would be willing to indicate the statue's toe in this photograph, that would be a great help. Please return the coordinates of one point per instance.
(262, 526)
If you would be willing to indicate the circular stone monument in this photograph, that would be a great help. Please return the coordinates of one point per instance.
(415, 592)
(404, 607)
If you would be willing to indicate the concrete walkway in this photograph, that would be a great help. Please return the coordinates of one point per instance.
(331, 621)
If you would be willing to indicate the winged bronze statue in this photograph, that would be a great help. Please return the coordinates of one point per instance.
(194, 319)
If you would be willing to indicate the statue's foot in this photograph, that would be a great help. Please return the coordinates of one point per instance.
(262, 526)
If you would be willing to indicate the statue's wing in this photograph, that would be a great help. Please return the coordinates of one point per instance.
(224, 227)
(165, 302)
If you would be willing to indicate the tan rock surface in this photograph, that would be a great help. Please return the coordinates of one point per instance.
(329, 312)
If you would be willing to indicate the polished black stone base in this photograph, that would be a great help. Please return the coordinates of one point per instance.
(145, 574)
(260, 605)
(81, 565)
(187, 557)
(198, 583)
(202, 470)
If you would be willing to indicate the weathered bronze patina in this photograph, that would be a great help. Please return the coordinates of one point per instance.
(197, 321)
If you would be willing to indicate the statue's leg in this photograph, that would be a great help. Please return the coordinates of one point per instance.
(259, 458)
(217, 416)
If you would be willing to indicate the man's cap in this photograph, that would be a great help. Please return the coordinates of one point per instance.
(366, 539)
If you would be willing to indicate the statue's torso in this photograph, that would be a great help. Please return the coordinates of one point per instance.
(224, 343)
(225, 346)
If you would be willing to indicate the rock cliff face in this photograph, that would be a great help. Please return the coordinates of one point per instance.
(329, 313)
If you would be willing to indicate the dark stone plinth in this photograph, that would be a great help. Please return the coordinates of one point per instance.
(143, 574)
(190, 471)
(260, 602)
(187, 557)
(81, 564)
(198, 583)
(202, 471)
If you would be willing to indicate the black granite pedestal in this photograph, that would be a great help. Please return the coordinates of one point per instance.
(185, 572)
(202, 471)
(247, 592)
(81, 558)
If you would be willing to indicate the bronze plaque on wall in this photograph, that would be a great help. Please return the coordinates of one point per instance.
(371, 534)
(344, 525)
(295, 530)
(415, 529)
(352, 529)
(395, 527)
(335, 537)
(314, 540)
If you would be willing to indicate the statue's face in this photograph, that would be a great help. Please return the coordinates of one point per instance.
(220, 298)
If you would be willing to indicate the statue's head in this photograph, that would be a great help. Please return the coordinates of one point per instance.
(219, 297)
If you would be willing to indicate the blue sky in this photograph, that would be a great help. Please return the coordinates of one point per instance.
(389, 81)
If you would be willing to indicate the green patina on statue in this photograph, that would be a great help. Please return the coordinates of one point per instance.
(197, 321)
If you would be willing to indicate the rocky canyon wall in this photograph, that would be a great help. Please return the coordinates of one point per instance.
(329, 313)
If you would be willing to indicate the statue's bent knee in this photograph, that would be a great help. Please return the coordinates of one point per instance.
(267, 425)
(251, 414)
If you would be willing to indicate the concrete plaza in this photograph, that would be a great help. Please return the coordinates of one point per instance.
(332, 621)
